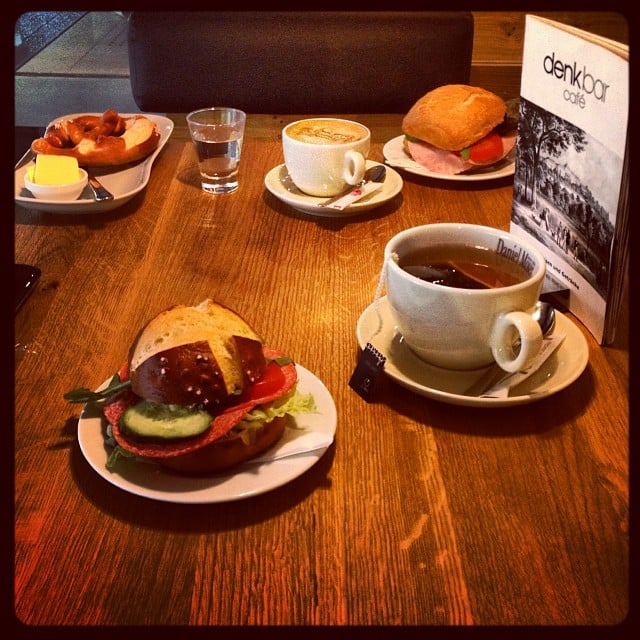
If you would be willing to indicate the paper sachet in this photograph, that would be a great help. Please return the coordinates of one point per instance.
(353, 196)
(295, 441)
(505, 383)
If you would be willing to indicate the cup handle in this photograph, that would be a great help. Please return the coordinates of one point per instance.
(354, 167)
(530, 338)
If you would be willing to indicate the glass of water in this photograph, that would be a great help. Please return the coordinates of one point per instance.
(217, 134)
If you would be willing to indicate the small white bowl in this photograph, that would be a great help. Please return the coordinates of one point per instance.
(57, 192)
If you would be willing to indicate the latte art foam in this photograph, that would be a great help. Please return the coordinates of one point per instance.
(326, 132)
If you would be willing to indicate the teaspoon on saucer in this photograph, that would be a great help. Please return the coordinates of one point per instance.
(545, 314)
(374, 176)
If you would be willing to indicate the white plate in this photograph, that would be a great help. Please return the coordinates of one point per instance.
(281, 186)
(396, 156)
(562, 368)
(124, 182)
(150, 480)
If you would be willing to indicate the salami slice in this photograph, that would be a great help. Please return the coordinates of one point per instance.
(284, 376)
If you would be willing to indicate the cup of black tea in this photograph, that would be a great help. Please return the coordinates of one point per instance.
(462, 295)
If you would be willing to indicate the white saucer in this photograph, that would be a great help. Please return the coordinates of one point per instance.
(396, 156)
(562, 368)
(281, 186)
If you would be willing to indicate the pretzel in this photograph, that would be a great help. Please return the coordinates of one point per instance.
(100, 141)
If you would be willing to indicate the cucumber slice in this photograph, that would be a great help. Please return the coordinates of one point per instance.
(166, 421)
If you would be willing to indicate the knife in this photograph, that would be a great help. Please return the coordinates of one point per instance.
(26, 159)
(373, 180)
(99, 192)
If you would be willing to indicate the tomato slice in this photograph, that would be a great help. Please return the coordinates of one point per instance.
(271, 381)
(487, 150)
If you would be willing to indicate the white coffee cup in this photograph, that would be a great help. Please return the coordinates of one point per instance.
(324, 156)
(462, 327)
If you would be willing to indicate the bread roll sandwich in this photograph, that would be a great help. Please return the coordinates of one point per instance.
(456, 128)
(199, 392)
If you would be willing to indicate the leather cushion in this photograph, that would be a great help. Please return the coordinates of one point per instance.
(295, 62)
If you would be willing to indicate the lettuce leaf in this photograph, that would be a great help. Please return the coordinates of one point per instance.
(293, 403)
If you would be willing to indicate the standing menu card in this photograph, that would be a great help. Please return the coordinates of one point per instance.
(570, 194)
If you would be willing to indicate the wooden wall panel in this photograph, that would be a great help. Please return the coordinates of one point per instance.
(499, 36)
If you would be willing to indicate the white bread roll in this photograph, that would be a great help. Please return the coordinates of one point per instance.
(454, 116)
(195, 355)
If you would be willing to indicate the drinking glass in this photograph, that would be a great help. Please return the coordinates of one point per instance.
(217, 134)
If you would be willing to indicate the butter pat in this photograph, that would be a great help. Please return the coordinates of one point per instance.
(55, 170)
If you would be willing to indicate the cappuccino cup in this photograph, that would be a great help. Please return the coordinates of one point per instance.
(324, 156)
(462, 295)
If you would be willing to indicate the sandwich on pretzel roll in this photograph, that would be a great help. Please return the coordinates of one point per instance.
(199, 393)
(456, 128)
(100, 140)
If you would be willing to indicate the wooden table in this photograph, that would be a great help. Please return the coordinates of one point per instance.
(421, 513)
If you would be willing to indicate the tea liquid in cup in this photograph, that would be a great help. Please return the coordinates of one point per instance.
(461, 295)
(324, 156)
(217, 134)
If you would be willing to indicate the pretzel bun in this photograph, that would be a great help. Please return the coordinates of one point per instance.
(204, 354)
(454, 116)
(100, 141)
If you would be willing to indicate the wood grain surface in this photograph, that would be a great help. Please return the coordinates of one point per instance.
(421, 513)
(498, 38)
